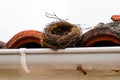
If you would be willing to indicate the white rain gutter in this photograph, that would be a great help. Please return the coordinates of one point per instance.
(70, 58)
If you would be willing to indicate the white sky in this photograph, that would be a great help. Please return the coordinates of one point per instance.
(19, 15)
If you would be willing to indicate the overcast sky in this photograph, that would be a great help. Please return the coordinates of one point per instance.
(19, 15)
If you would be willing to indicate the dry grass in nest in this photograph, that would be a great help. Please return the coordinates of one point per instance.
(61, 34)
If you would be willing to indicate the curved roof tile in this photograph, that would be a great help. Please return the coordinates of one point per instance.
(26, 38)
(115, 17)
(2, 45)
(102, 35)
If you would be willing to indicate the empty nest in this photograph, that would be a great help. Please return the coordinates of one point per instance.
(61, 34)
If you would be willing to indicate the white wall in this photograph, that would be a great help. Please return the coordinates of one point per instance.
(46, 74)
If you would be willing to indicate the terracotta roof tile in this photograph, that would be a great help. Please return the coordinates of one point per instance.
(102, 35)
(27, 39)
(115, 17)
(2, 45)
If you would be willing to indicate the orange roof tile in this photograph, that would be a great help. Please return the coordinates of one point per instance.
(102, 35)
(25, 38)
(115, 17)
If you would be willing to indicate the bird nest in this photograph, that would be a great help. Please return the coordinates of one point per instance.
(61, 34)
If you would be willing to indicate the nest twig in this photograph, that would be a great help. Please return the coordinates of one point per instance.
(61, 34)
(54, 16)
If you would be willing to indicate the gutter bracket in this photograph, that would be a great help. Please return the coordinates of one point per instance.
(23, 60)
